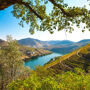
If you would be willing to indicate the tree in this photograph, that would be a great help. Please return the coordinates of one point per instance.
(11, 64)
(33, 12)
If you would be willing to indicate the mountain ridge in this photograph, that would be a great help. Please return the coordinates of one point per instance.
(58, 46)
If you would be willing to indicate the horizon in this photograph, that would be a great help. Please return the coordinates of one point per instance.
(45, 40)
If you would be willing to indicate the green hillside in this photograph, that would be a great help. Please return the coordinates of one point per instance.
(28, 52)
(78, 58)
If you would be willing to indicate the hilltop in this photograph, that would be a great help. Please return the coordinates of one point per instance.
(78, 58)
(58, 46)
(68, 46)
(33, 43)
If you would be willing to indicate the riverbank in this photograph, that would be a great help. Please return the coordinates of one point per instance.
(27, 58)
(30, 53)
(40, 60)
(51, 60)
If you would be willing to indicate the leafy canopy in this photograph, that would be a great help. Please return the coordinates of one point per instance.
(61, 16)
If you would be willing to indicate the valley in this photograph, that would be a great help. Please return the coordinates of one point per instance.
(58, 46)
(31, 52)
(40, 60)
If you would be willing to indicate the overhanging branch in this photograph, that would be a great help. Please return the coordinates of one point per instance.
(68, 14)
(6, 3)
(28, 6)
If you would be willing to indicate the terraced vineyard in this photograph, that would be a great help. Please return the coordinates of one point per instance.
(79, 58)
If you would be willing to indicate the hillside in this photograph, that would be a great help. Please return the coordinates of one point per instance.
(27, 52)
(38, 43)
(32, 52)
(59, 42)
(58, 46)
(3, 43)
(33, 43)
(67, 48)
(53, 76)
(78, 58)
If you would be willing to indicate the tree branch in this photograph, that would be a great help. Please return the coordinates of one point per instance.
(28, 6)
(6, 3)
(62, 9)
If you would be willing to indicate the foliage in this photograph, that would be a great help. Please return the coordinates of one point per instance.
(11, 64)
(66, 81)
(34, 13)
(15, 76)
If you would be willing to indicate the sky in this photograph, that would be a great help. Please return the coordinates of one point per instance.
(9, 26)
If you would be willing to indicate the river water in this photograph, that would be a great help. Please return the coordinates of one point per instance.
(41, 60)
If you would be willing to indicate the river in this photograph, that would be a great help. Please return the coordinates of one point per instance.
(41, 60)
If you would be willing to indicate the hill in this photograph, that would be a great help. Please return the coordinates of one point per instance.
(38, 43)
(78, 58)
(53, 76)
(3, 43)
(67, 48)
(33, 43)
(60, 42)
(27, 52)
(58, 46)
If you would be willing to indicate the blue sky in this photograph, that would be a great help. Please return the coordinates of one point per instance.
(9, 26)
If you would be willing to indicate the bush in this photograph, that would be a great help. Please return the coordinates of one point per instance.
(76, 80)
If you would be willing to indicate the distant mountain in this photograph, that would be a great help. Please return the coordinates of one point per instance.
(58, 42)
(59, 46)
(32, 43)
(68, 47)
(84, 42)
(39, 44)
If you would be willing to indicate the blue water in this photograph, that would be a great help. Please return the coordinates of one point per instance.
(41, 60)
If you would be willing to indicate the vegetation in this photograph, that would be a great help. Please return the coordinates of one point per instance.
(27, 52)
(11, 64)
(79, 58)
(68, 72)
(14, 76)
(34, 12)
(42, 79)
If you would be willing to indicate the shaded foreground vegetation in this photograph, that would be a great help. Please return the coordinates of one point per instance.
(74, 75)
(42, 79)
